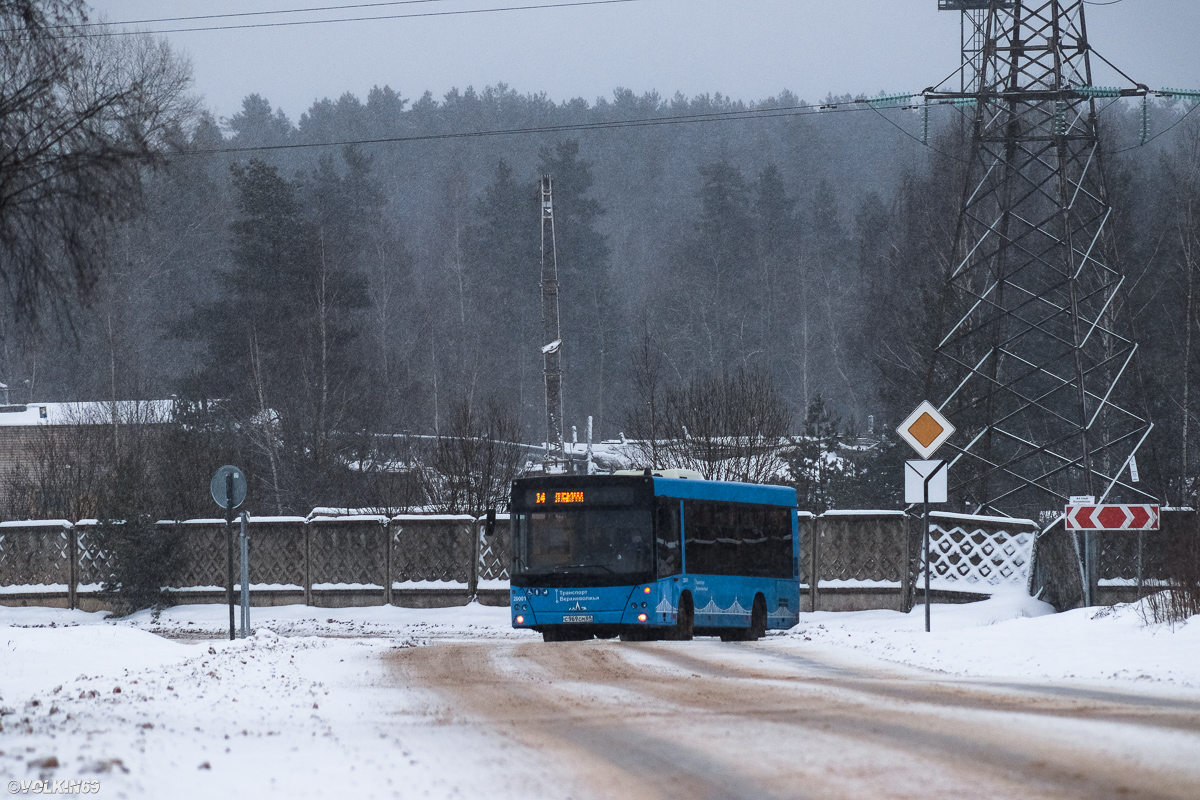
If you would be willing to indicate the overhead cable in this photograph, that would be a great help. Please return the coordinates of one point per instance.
(102, 31)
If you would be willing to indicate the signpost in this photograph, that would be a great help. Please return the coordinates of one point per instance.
(228, 488)
(245, 543)
(925, 430)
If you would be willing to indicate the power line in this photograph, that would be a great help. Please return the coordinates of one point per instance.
(101, 32)
(878, 105)
(807, 109)
(157, 20)
(1163, 132)
(683, 119)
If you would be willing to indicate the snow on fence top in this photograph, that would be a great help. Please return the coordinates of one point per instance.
(859, 512)
(1012, 521)
(437, 517)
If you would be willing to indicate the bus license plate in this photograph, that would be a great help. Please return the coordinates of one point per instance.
(569, 618)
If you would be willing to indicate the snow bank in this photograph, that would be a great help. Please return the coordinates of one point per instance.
(35, 659)
(1014, 636)
(209, 621)
(296, 716)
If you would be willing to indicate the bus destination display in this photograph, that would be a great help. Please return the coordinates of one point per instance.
(593, 496)
(559, 497)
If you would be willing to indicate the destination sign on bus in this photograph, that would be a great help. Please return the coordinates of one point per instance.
(560, 497)
(594, 496)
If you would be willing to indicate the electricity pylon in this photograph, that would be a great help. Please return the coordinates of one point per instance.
(1036, 366)
(551, 328)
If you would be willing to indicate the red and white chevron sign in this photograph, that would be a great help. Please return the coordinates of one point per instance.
(1112, 518)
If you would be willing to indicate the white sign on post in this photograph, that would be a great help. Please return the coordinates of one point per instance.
(915, 473)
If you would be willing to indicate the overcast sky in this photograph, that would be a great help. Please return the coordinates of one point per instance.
(748, 49)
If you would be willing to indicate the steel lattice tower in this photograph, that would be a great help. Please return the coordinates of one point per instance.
(1035, 364)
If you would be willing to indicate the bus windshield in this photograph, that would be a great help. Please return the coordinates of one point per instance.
(583, 547)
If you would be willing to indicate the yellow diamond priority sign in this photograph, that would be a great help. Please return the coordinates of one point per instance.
(925, 430)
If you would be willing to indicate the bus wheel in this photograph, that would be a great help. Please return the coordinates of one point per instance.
(685, 620)
(758, 620)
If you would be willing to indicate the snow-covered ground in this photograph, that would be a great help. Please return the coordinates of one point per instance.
(161, 705)
(1016, 637)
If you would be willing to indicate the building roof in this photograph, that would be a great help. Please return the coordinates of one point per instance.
(85, 413)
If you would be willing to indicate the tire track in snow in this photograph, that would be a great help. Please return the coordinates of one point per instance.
(706, 720)
(575, 713)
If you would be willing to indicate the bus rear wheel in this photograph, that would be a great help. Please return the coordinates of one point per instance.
(758, 620)
(758, 624)
(685, 620)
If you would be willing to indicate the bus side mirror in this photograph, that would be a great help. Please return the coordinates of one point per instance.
(489, 528)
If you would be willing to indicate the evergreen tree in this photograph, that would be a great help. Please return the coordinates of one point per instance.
(502, 282)
(775, 251)
(713, 306)
(279, 339)
(815, 463)
(144, 559)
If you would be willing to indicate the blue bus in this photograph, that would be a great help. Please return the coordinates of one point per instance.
(652, 556)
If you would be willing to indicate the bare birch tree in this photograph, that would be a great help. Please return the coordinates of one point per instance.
(80, 116)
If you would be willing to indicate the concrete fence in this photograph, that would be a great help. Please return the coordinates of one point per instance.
(420, 561)
(850, 560)
(1129, 564)
(874, 559)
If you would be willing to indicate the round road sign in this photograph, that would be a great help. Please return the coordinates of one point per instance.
(218, 486)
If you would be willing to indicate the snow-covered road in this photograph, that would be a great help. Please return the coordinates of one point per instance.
(779, 720)
(453, 703)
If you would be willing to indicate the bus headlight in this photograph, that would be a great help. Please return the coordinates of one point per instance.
(641, 617)
(520, 620)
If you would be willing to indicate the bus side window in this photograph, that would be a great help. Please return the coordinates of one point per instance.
(666, 539)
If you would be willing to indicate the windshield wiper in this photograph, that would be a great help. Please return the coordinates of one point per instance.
(604, 567)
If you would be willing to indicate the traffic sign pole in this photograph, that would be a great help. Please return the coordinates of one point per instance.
(229, 550)
(245, 554)
(925, 430)
(925, 517)
(228, 489)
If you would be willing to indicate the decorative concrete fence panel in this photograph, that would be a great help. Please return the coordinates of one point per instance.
(495, 553)
(866, 547)
(807, 531)
(278, 556)
(278, 560)
(1133, 564)
(432, 549)
(1127, 556)
(37, 561)
(202, 553)
(94, 561)
(860, 560)
(348, 560)
(971, 553)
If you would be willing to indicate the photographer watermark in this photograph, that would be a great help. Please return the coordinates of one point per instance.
(63, 786)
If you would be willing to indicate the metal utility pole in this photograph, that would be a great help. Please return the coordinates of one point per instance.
(552, 351)
(1035, 364)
